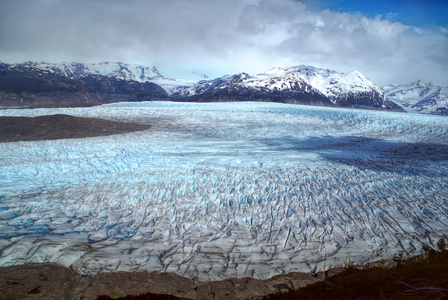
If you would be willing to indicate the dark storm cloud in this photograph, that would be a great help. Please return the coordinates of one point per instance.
(218, 37)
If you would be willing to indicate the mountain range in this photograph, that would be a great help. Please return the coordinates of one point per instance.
(42, 83)
(118, 70)
(426, 98)
(22, 86)
(301, 84)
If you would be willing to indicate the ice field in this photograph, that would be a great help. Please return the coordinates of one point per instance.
(223, 190)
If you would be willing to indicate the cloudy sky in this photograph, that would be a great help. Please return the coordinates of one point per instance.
(389, 41)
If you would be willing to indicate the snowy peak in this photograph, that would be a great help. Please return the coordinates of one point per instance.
(427, 98)
(356, 76)
(305, 71)
(353, 89)
(419, 83)
(239, 78)
(329, 83)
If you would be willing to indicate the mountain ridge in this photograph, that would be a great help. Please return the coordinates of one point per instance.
(118, 70)
(25, 87)
(426, 98)
(238, 88)
(301, 84)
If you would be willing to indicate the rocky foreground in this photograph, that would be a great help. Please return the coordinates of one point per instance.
(51, 281)
(419, 277)
(53, 127)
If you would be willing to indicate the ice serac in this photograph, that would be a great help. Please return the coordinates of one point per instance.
(301, 84)
(27, 86)
(420, 97)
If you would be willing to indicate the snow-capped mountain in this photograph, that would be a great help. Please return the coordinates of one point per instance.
(351, 89)
(242, 87)
(418, 96)
(300, 84)
(116, 70)
(27, 86)
(304, 84)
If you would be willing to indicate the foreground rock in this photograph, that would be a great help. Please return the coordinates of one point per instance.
(13, 129)
(419, 277)
(51, 281)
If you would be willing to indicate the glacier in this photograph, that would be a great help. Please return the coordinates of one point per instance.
(220, 190)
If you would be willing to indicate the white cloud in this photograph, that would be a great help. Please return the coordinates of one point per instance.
(219, 37)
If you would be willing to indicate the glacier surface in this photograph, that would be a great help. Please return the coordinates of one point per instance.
(223, 190)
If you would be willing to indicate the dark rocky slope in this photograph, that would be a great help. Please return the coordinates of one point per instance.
(25, 87)
(51, 281)
(53, 127)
